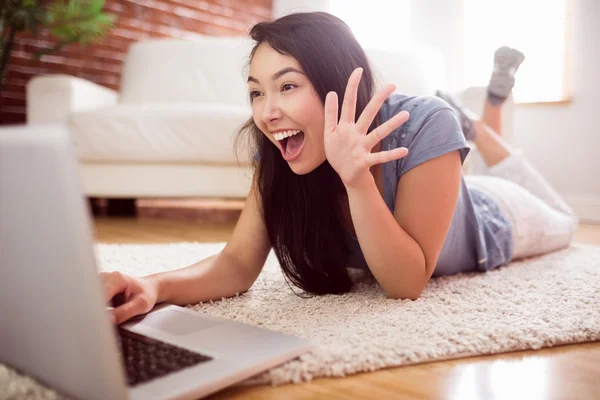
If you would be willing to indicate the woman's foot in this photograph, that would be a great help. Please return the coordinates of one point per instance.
(506, 63)
(465, 116)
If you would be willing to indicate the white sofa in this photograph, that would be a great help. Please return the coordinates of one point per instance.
(169, 131)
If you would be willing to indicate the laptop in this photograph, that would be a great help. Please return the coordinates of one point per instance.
(55, 324)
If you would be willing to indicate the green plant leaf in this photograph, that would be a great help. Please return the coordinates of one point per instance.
(69, 21)
(95, 6)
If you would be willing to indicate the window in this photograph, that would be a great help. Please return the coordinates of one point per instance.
(376, 24)
(538, 28)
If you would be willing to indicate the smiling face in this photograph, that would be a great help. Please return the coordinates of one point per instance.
(283, 103)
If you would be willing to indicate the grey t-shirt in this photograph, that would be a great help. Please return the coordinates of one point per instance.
(480, 236)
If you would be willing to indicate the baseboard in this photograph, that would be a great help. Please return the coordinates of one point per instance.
(586, 207)
(210, 210)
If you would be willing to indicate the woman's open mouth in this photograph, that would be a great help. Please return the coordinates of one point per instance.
(292, 146)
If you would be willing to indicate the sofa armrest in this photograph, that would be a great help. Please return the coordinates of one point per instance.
(51, 98)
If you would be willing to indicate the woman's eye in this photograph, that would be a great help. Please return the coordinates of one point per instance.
(254, 93)
(288, 85)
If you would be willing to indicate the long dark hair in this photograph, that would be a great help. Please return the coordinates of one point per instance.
(305, 214)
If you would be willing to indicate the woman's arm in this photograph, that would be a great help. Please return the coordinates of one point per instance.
(402, 249)
(215, 277)
(231, 271)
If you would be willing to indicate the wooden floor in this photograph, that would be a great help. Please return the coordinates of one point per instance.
(565, 372)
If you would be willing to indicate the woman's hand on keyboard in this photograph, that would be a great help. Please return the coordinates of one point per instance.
(129, 295)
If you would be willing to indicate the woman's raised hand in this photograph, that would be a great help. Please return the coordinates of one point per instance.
(347, 145)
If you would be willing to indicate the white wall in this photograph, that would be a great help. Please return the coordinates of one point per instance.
(563, 140)
(284, 7)
(439, 23)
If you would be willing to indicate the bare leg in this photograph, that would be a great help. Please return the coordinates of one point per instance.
(492, 116)
(488, 137)
(506, 63)
(492, 147)
(483, 131)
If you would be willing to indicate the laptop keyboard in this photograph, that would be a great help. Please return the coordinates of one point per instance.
(146, 359)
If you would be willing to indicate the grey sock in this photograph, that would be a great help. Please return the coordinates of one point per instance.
(465, 116)
(506, 63)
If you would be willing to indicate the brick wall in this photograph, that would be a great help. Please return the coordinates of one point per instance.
(137, 19)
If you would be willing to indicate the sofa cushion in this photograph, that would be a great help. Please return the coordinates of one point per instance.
(203, 70)
(211, 70)
(159, 133)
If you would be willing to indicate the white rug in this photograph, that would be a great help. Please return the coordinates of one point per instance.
(540, 302)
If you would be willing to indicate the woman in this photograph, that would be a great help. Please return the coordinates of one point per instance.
(348, 178)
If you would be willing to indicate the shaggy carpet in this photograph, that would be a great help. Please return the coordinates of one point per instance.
(539, 302)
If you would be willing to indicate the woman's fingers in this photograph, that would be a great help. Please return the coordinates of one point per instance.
(114, 283)
(137, 305)
(386, 156)
(349, 105)
(331, 112)
(371, 110)
(385, 129)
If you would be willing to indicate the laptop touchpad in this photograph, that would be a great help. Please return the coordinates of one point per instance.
(177, 322)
